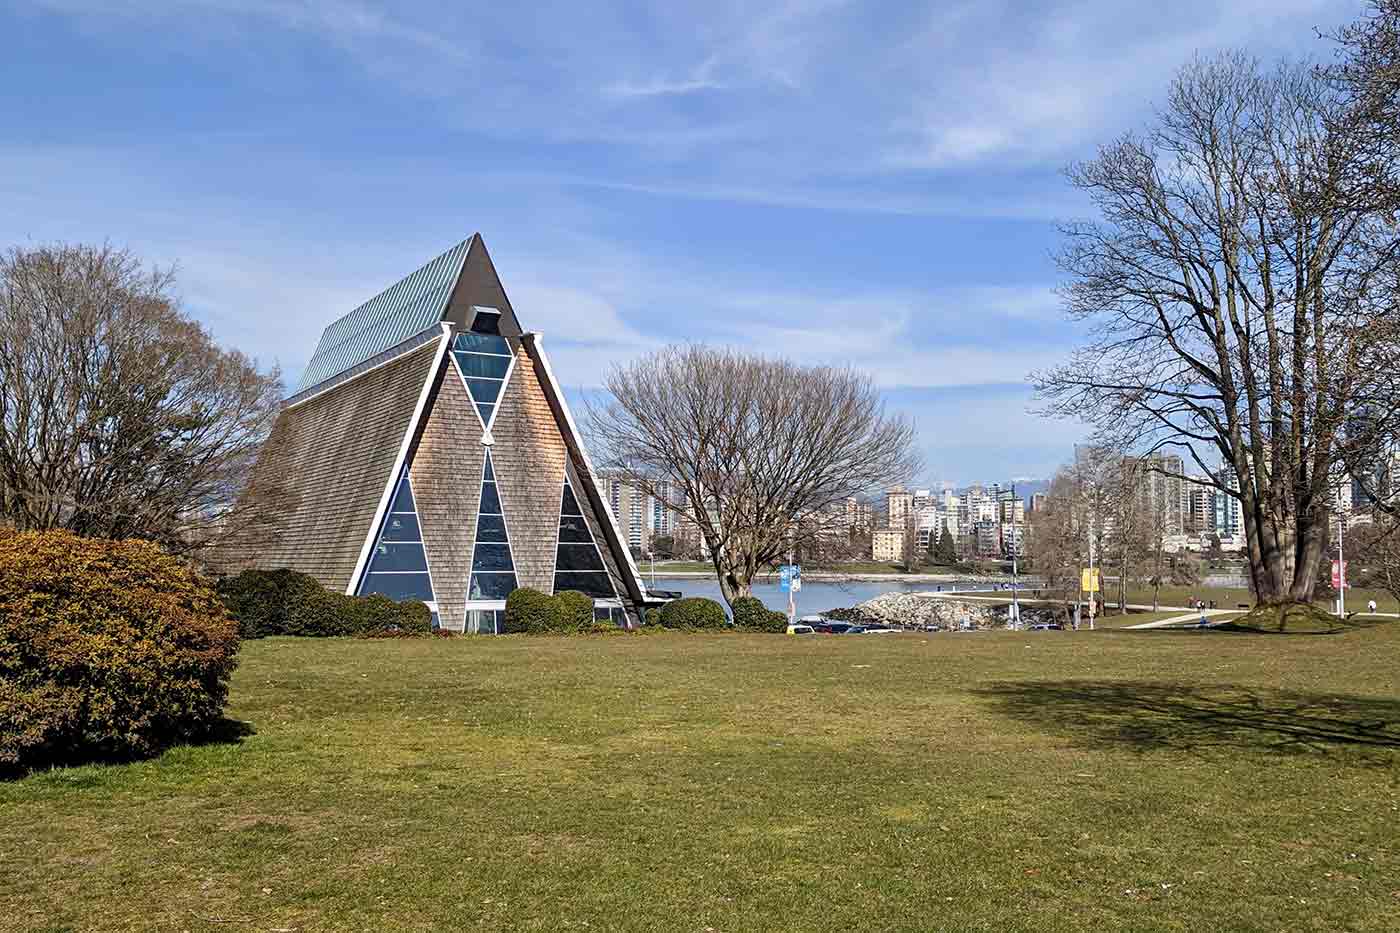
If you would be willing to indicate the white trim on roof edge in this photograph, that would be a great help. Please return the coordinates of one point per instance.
(399, 460)
(409, 345)
(535, 343)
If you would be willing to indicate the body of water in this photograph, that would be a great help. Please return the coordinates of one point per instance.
(815, 595)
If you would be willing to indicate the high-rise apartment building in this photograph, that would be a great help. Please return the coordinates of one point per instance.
(1162, 490)
(899, 507)
(1229, 512)
(632, 509)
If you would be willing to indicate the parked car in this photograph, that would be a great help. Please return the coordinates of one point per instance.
(875, 629)
(834, 628)
(800, 628)
(1047, 627)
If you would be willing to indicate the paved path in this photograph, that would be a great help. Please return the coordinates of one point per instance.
(1191, 618)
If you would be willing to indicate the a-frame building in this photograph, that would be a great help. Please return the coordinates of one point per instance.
(429, 453)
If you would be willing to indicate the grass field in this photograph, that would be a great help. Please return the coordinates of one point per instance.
(997, 781)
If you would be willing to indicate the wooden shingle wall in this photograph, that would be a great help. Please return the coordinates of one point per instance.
(529, 459)
(446, 474)
(335, 454)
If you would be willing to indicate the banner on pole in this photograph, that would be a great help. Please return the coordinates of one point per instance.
(1339, 574)
(1089, 580)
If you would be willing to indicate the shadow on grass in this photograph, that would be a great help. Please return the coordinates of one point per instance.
(225, 731)
(1195, 718)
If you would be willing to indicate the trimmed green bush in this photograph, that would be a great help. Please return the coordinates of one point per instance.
(748, 612)
(653, 617)
(528, 612)
(693, 612)
(108, 649)
(286, 602)
(572, 612)
(752, 615)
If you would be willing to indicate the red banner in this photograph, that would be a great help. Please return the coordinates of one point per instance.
(1339, 574)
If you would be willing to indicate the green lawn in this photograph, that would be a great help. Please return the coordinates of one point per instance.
(992, 781)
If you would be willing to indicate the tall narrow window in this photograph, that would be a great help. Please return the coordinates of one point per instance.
(398, 567)
(484, 361)
(578, 565)
(493, 570)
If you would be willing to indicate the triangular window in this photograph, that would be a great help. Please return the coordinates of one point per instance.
(398, 568)
(493, 570)
(484, 361)
(578, 564)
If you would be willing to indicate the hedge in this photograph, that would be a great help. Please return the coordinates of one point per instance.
(693, 612)
(573, 611)
(108, 649)
(285, 602)
(527, 612)
(751, 614)
(531, 612)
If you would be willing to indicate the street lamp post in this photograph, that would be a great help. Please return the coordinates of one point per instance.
(1341, 567)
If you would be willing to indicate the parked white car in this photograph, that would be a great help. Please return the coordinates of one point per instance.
(800, 628)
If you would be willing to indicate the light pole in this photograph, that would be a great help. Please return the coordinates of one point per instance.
(651, 556)
(1341, 566)
(1015, 577)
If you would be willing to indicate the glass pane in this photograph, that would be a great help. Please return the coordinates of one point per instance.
(490, 474)
(485, 413)
(482, 343)
(486, 322)
(401, 528)
(490, 502)
(399, 586)
(573, 530)
(596, 585)
(484, 390)
(491, 585)
(476, 366)
(483, 622)
(403, 498)
(491, 528)
(492, 557)
(389, 556)
(578, 557)
(570, 506)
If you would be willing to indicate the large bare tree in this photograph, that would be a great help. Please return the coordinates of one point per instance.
(119, 416)
(761, 454)
(1238, 289)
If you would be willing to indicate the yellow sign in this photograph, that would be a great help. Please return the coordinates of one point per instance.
(1089, 580)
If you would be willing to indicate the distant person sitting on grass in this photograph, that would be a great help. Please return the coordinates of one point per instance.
(1203, 622)
(1371, 606)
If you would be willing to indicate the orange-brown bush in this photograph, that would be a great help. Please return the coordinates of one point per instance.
(108, 649)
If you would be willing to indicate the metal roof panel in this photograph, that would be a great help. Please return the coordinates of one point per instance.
(403, 309)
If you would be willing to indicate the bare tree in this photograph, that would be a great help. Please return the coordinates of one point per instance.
(764, 452)
(1056, 539)
(120, 416)
(1239, 286)
(1367, 73)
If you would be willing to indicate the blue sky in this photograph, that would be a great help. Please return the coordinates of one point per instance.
(865, 183)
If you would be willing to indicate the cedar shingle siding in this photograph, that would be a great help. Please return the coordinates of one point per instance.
(338, 452)
(529, 458)
(446, 475)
